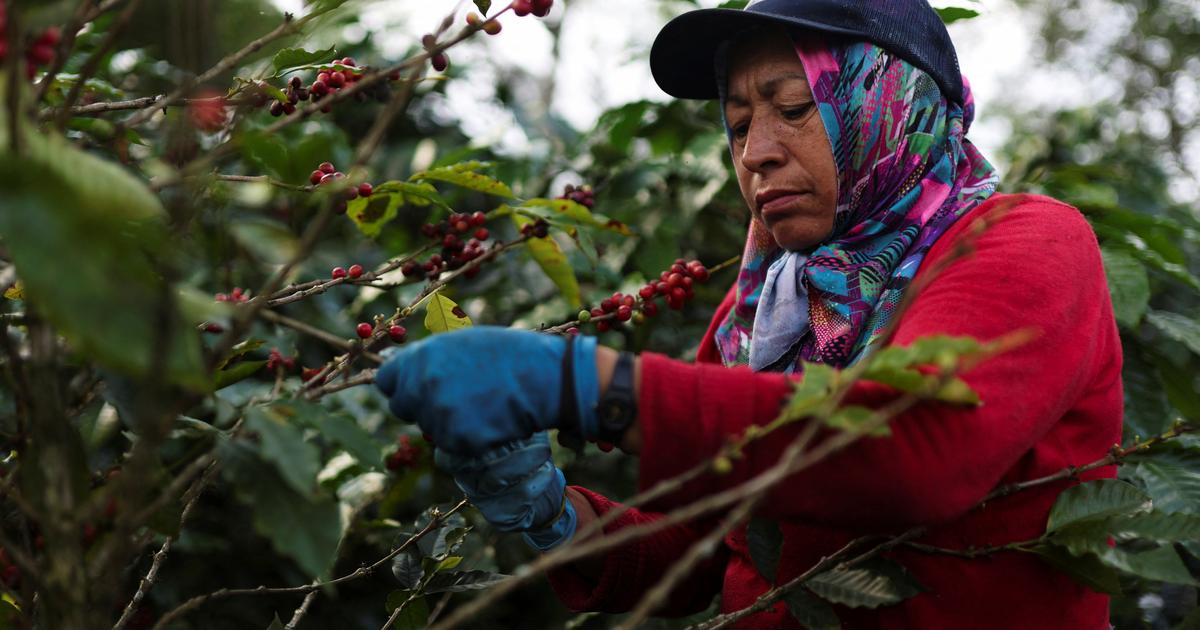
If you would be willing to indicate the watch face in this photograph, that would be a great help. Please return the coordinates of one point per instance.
(609, 410)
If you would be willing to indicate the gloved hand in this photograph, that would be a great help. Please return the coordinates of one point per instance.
(477, 388)
(517, 488)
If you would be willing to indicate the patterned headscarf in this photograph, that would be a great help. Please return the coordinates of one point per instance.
(906, 173)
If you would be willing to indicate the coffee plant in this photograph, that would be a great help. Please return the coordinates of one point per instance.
(196, 298)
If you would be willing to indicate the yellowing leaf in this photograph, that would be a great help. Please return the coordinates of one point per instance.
(550, 257)
(463, 175)
(443, 315)
(578, 213)
(15, 292)
(370, 214)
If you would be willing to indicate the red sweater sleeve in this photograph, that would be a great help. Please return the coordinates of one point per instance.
(1038, 268)
(631, 569)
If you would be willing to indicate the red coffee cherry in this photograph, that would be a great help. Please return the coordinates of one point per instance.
(603, 326)
(478, 218)
(650, 309)
(647, 292)
(440, 62)
(355, 271)
(397, 333)
(338, 273)
(675, 280)
(364, 330)
(315, 177)
(522, 7)
(491, 27)
(365, 189)
(482, 234)
(410, 269)
(327, 167)
(607, 305)
(624, 313)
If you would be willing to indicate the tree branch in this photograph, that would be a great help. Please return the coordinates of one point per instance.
(225, 593)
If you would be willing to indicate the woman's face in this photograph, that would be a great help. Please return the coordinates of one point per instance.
(781, 153)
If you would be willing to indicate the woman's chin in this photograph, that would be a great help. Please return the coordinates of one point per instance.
(796, 238)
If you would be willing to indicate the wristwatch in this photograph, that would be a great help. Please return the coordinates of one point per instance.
(617, 408)
(614, 412)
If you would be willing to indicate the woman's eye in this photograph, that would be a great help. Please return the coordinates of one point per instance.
(796, 113)
(740, 131)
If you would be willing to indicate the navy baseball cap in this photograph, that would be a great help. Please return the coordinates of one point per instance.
(682, 59)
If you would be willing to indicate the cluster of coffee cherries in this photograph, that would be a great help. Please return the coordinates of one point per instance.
(537, 229)
(237, 296)
(396, 332)
(277, 360)
(540, 8)
(581, 195)
(458, 248)
(440, 61)
(41, 50)
(326, 174)
(674, 284)
(207, 111)
(353, 273)
(407, 455)
(491, 27)
(329, 80)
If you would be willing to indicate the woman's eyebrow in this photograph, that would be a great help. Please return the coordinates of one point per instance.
(768, 87)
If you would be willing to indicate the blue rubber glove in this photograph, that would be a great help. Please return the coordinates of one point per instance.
(474, 389)
(517, 488)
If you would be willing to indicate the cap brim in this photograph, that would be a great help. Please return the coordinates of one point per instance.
(682, 57)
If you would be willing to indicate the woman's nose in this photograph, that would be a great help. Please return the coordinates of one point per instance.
(763, 149)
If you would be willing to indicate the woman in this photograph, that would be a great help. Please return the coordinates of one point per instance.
(846, 123)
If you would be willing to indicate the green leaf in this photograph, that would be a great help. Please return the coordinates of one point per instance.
(956, 391)
(1177, 327)
(851, 419)
(1086, 569)
(267, 152)
(443, 315)
(550, 257)
(276, 624)
(408, 569)
(239, 372)
(241, 348)
(950, 15)
(370, 214)
(483, 5)
(1158, 526)
(1096, 500)
(464, 175)
(1171, 477)
(459, 581)
(765, 542)
(283, 444)
(82, 233)
(270, 241)
(811, 612)
(810, 392)
(304, 527)
(1161, 563)
(414, 611)
(1129, 286)
(343, 430)
(577, 213)
(733, 4)
(872, 584)
(291, 57)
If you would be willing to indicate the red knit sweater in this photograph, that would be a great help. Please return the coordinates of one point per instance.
(1054, 402)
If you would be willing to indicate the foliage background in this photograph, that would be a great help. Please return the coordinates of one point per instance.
(1126, 158)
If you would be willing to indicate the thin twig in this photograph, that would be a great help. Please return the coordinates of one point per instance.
(301, 611)
(147, 582)
(263, 179)
(289, 26)
(699, 550)
(94, 60)
(360, 572)
(69, 33)
(317, 333)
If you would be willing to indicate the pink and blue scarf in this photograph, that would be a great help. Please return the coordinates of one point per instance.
(906, 173)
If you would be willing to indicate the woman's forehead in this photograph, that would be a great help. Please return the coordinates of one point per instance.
(767, 62)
